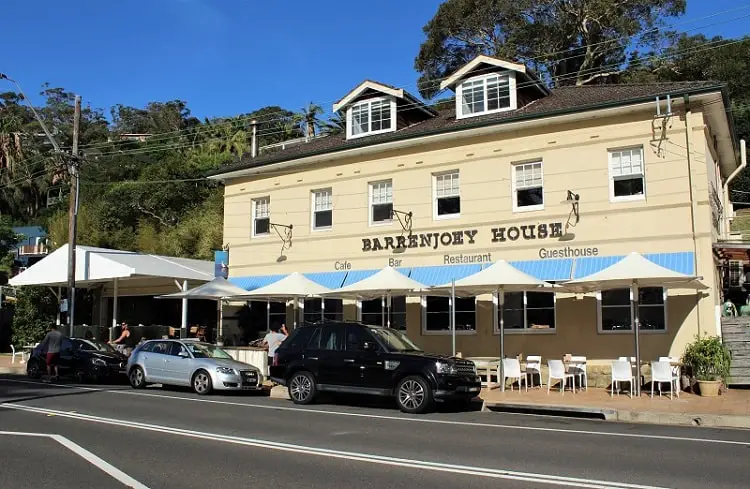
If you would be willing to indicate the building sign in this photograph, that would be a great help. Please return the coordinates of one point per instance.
(461, 237)
(567, 252)
(469, 259)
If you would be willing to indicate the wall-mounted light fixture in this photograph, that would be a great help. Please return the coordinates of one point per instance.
(405, 220)
(285, 234)
(573, 217)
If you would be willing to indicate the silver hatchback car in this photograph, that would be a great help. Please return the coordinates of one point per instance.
(202, 366)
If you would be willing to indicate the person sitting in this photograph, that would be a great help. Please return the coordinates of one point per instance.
(126, 340)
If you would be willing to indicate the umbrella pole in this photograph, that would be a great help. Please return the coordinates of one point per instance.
(501, 307)
(220, 319)
(388, 301)
(636, 334)
(295, 312)
(453, 315)
(382, 311)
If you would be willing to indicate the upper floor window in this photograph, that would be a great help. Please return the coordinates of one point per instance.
(261, 216)
(627, 180)
(372, 116)
(486, 94)
(528, 186)
(447, 196)
(322, 204)
(381, 202)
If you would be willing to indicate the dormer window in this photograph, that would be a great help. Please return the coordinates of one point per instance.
(486, 94)
(373, 116)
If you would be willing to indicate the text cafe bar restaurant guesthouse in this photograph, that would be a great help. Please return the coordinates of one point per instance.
(561, 183)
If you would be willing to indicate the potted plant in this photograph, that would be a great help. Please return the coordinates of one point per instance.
(709, 361)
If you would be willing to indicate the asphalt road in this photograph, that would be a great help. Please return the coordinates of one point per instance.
(112, 436)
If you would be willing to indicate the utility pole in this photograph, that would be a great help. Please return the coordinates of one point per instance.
(73, 217)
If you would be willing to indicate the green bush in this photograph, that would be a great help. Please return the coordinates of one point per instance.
(708, 359)
(35, 311)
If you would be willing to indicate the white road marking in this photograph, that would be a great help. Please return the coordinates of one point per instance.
(97, 462)
(405, 419)
(356, 456)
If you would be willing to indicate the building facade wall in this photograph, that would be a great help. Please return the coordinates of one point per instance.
(675, 216)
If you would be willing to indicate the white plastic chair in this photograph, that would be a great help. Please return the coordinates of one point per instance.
(676, 372)
(15, 353)
(557, 372)
(512, 370)
(662, 372)
(622, 371)
(577, 367)
(534, 367)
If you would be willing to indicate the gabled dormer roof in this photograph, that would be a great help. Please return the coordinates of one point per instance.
(476, 63)
(373, 86)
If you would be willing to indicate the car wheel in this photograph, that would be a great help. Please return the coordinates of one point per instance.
(33, 369)
(302, 389)
(137, 378)
(414, 395)
(202, 383)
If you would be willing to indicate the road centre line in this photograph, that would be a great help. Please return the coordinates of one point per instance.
(97, 462)
(338, 454)
(405, 419)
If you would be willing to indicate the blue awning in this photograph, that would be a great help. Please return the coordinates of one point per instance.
(442, 274)
(681, 262)
(255, 282)
(332, 280)
(554, 270)
(354, 276)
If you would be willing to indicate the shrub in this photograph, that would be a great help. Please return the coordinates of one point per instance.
(708, 359)
(35, 311)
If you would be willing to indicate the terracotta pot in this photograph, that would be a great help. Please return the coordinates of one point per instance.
(709, 388)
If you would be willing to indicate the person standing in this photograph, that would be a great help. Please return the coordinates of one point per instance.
(51, 345)
(273, 339)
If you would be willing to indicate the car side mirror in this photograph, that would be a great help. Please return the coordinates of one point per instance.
(370, 346)
(183, 354)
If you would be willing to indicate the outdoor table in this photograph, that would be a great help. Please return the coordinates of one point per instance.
(486, 365)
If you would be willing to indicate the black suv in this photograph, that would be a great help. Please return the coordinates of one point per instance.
(357, 358)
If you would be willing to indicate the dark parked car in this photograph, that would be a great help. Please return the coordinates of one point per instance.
(362, 359)
(84, 359)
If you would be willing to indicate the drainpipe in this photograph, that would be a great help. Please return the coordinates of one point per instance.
(727, 199)
(688, 113)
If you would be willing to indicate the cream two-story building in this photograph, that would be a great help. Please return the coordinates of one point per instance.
(559, 182)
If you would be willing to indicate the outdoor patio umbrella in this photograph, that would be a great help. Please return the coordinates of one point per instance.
(293, 287)
(383, 284)
(218, 289)
(632, 272)
(500, 277)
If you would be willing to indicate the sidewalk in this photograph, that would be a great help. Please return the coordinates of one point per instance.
(6, 367)
(731, 409)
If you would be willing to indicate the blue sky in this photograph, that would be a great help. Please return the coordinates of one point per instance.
(226, 57)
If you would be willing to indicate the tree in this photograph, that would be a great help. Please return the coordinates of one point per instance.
(309, 115)
(35, 310)
(336, 124)
(566, 41)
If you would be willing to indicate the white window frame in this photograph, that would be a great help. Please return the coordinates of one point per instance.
(612, 178)
(254, 217)
(599, 307)
(515, 188)
(447, 332)
(370, 203)
(524, 330)
(511, 87)
(313, 210)
(368, 102)
(435, 197)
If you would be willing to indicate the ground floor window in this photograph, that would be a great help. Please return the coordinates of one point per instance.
(318, 309)
(616, 312)
(528, 311)
(276, 313)
(436, 314)
(372, 312)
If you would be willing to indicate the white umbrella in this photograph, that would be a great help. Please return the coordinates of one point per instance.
(500, 277)
(632, 272)
(383, 284)
(218, 289)
(294, 286)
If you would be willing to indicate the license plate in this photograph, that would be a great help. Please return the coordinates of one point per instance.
(249, 376)
(473, 389)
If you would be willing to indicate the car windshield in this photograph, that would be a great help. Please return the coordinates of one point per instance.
(206, 350)
(395, 340)
(95, 345)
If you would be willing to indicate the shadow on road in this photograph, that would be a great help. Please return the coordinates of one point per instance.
(30, 390)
